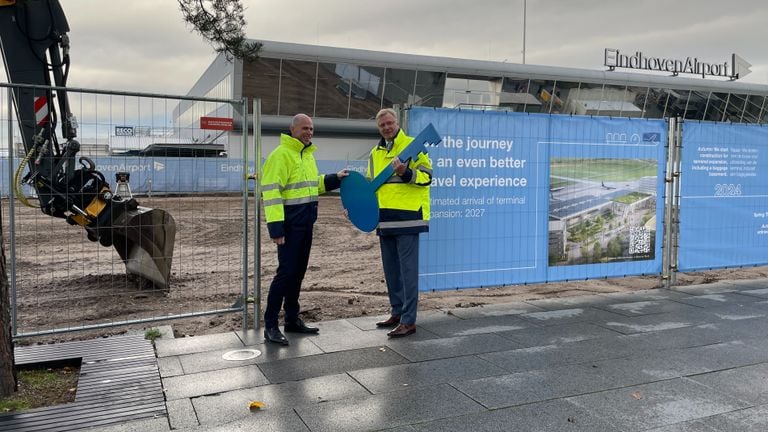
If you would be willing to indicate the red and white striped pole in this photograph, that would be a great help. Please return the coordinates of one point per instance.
(42, 115)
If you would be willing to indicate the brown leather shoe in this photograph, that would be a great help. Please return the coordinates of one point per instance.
(390, 322)
(402, 330)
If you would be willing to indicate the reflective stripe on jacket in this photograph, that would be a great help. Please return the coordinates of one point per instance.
(290, 186)
(403, 201)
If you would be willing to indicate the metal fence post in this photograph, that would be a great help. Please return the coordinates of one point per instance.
(257, 215)
(244, 140)
(666, 267)
(675, 225)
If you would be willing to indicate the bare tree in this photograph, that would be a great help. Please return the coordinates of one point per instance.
(8, 379)
(222, 24)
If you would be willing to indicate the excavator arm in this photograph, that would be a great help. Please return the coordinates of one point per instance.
(35, 49)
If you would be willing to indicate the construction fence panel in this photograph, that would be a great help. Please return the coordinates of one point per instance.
(62, 281)
(527, 198)
(723, 196)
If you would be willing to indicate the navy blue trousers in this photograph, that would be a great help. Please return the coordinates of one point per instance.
(292, 260)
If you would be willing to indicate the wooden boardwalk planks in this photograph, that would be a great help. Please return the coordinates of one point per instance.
(119, 382)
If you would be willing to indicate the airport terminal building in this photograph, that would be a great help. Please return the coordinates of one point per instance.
(342, 89)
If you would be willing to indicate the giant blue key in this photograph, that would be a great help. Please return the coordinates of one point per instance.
(358, 195)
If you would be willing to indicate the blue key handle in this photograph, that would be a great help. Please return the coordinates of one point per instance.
(358, 195)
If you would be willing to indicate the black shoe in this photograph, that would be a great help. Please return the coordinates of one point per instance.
(298, 326)
(272, 334)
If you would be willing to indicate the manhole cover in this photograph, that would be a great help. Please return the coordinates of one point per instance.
(239, 355)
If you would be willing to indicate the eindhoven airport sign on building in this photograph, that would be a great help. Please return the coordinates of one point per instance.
(738, 68)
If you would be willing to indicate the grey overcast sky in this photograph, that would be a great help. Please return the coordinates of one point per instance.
(144, 45)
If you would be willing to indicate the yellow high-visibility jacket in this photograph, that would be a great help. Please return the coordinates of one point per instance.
(290, 186)
(403, 201)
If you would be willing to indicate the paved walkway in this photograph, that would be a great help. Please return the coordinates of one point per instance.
(689, 359)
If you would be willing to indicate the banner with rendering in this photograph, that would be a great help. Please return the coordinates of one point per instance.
(523, 198)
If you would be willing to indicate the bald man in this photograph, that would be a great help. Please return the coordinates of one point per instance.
(290, 188)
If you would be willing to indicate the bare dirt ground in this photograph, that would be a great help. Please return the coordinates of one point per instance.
(63, 280)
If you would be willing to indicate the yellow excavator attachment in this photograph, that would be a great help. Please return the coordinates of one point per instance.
(144, 239)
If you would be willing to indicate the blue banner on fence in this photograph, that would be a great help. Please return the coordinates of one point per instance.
(723, 196)
(166, 175)
(520, 198)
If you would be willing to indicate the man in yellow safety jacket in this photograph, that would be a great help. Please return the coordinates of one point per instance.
(290, 188)
(403, 214)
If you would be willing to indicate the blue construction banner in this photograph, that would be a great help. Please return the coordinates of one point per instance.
(179, 175)
(723, 196)
(523, 198)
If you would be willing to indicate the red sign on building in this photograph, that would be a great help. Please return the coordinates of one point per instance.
(216, 123)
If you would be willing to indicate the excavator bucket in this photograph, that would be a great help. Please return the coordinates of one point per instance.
(144, 238)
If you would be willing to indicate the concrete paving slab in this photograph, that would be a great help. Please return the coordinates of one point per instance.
(720, 299)
(433, 349)
(748, 383)
(657, 322)
(749, 284)
(549, 356)
(213, 360)
(689, 426)
(392, 409)
(223, 407)
(755, 328)
(181, 414)
(204, 383)
(760, 292)
(657, 404)
(558, 334)
(564, 316)
(344, 335)
(474, 326)
(169, 366)
(357, 339)
(550, 416)
(628, 371)
(582, 301)
(649, 307)
(736, 312)
(681, 337)
(644, 295)
(267, 420)
(432, 316)
(758, 343)
(753, 419)
(367, 322)
(634, 370)
(435, 317)
(762, 305)
(710, 288)
(297, 369)
(193, 344)
(251, 337)
(428, 373)
(494, 310)
(533, 386)
(710, 358)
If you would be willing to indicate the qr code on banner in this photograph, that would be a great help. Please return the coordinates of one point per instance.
(639, 240)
